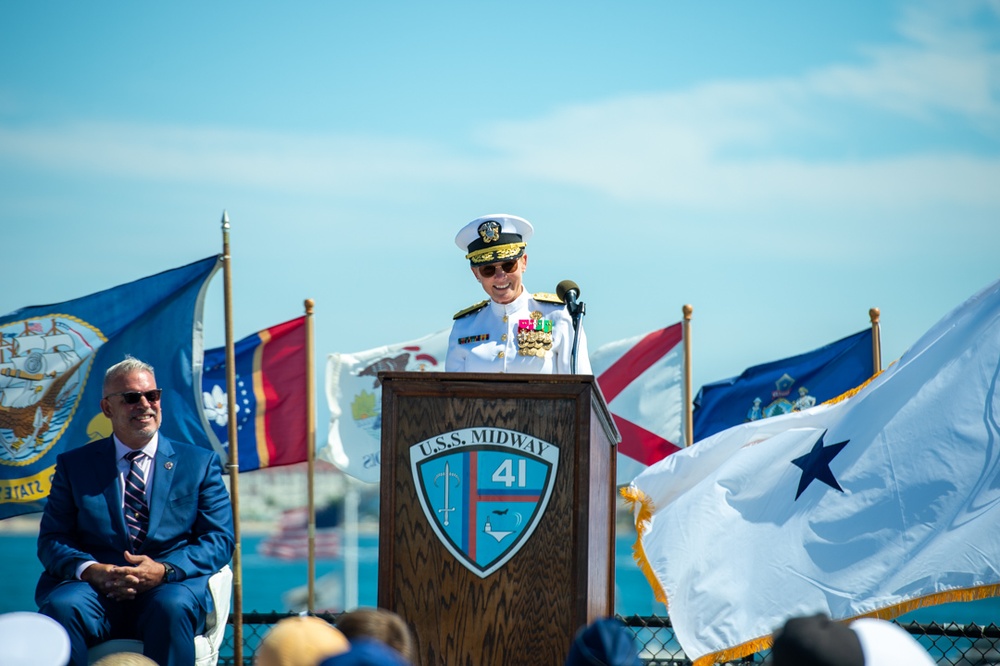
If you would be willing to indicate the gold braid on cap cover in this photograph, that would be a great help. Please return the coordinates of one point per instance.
(488, 255)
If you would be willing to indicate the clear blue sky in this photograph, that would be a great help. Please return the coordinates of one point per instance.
(782, 166)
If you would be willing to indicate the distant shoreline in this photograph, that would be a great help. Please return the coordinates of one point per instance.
(28, 524)
(20, 524)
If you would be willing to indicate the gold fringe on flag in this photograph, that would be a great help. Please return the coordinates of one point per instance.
(850, 393)
(734, 653)
(635, 497)
(887, 613)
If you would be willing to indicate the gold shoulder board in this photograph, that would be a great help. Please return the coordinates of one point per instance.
(469, 310)
(546, 297)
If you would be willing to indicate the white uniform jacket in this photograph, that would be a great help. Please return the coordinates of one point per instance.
(534, 334)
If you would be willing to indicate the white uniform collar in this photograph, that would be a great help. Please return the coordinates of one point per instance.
(519, 303)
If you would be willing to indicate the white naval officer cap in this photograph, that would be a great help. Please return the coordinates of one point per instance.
(32, 639)
(494, 238)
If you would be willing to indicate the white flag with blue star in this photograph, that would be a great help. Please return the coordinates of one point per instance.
(873, 506)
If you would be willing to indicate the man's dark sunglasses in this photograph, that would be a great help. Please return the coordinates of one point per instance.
(132, 397)
(491, 269)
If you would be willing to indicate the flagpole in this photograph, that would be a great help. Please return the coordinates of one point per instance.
(351, 501)
(234, 456)
(873, 315)
(310, 458)
(688, 407)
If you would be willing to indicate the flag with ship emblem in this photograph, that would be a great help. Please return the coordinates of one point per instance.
(354, 395)
(271, 397)
(52, 363)
(783, 386)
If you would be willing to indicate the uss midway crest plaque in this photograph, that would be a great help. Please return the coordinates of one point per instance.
(483, 491)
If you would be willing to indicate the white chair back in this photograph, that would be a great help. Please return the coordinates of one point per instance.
(207, 645)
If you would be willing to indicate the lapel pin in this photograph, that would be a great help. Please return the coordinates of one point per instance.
(168, 465)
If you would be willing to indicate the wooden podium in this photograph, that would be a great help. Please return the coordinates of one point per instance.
(496, 535)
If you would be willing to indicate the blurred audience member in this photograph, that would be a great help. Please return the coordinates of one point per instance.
(816, 640)
(367, 652)
(300, 641)
(886, 643)
(380, 624)
(124, 659)
(605, 642)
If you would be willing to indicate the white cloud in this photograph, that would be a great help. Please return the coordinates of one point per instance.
(271, 160)
(729, 145)
(737, 144)
(946, 65)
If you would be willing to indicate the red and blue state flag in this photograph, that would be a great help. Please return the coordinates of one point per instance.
(271, 396)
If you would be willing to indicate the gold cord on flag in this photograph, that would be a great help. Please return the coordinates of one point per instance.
(636, 498)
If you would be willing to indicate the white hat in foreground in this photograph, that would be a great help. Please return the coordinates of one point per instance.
(32, 639)
(886, 644)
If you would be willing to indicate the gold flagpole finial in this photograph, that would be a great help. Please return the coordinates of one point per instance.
(688, 424)
(874, 314)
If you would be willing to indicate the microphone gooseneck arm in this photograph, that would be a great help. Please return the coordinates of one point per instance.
(569, 292)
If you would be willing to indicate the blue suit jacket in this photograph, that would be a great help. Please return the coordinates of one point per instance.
(190, 515)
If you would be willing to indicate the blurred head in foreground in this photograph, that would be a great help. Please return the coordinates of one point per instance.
(300, 641)
(124, 659)
(367, 652)
(605, 642)
(816, 640)
(380, 624)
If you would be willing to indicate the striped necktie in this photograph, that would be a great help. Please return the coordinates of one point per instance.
(136, 509)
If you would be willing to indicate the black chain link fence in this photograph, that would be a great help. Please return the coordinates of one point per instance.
(949, 644)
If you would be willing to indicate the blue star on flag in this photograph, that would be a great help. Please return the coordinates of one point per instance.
(815, 465)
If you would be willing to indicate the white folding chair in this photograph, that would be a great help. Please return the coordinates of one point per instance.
(206, 645)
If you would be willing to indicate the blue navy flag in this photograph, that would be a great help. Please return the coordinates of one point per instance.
(788, 385)
(52, 363)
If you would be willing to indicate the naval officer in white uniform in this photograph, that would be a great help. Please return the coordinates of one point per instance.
(514, 330)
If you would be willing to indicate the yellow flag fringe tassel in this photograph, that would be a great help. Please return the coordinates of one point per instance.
(946, 597)
(734, 653)
(635, 497)
(850, 393)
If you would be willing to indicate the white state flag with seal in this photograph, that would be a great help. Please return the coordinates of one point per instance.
(354, 395)
(881, 503)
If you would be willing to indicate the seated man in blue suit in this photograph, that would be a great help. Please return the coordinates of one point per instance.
(128, 540)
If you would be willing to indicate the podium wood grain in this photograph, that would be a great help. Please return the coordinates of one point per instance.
(562, 578)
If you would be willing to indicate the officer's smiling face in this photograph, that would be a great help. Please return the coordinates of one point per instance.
(503, 287)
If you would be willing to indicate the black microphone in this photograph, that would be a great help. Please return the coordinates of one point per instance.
(568, 291)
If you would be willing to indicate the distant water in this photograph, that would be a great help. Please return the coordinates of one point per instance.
(266, 580)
